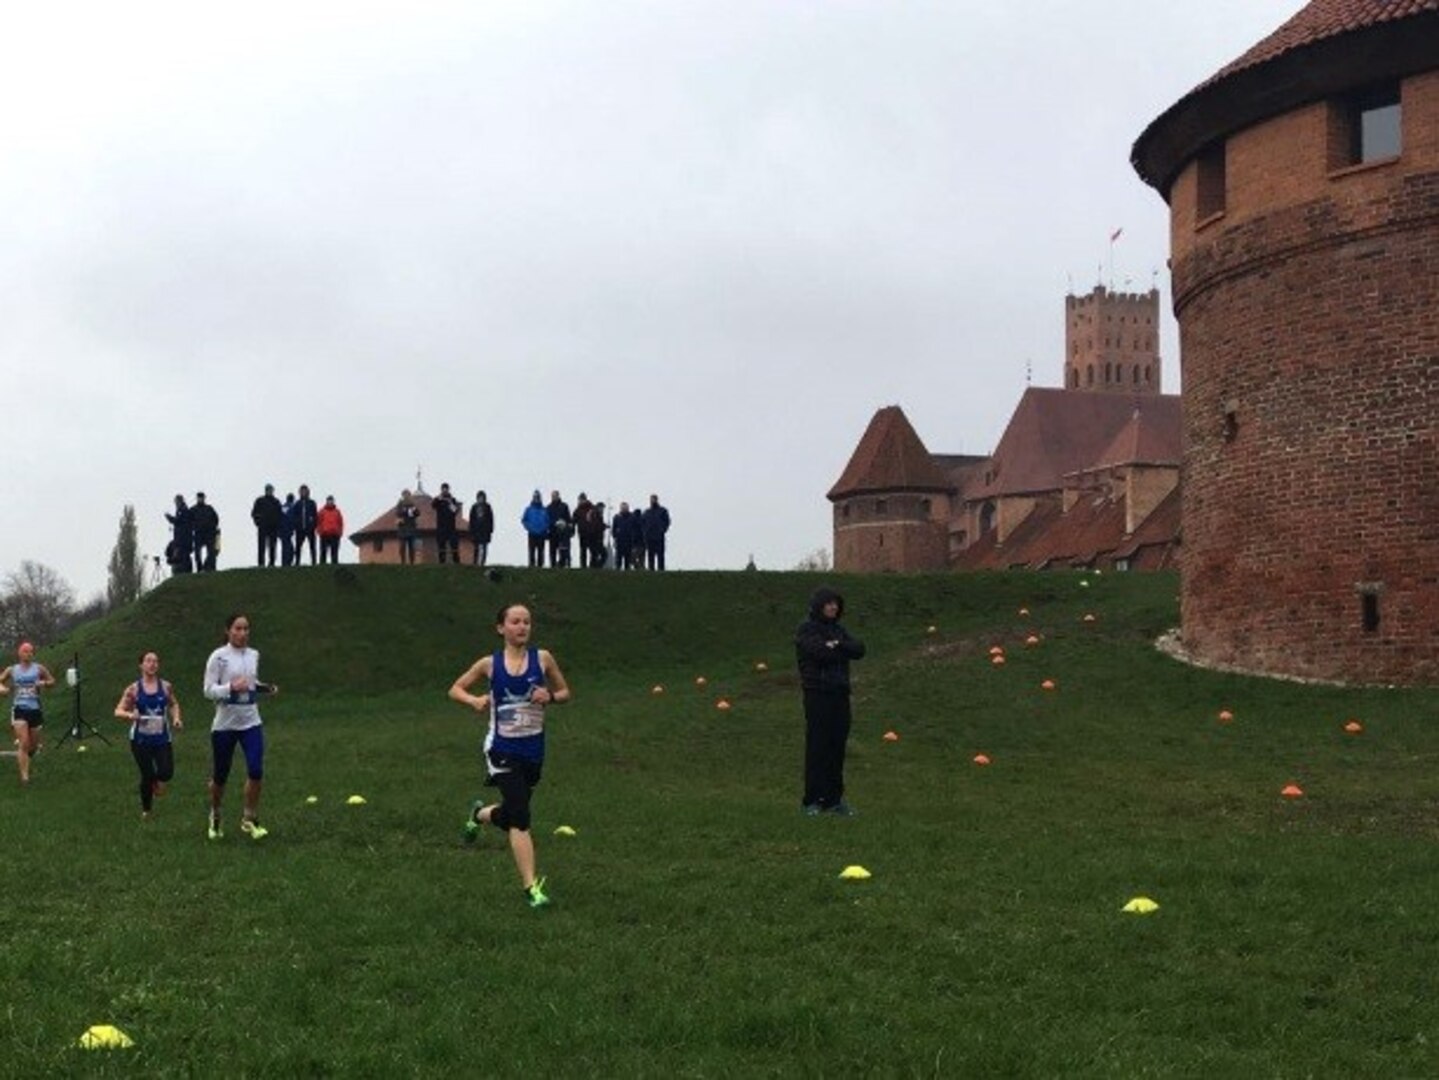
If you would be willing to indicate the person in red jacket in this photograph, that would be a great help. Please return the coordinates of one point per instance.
(330, 524)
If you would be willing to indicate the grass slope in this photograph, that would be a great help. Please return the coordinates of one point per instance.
(700, 928)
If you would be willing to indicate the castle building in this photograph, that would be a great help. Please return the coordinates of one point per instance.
(1303, 187)
(1084, 475)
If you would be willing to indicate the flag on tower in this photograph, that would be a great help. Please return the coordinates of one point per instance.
(1115, 234)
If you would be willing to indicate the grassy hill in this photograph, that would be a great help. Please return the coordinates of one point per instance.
(699, 926)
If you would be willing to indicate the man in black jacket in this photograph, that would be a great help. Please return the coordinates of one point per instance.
(266, 514)
(207, 532)
(447, 533)
(824, 649)
(306, 514)
(562, 527)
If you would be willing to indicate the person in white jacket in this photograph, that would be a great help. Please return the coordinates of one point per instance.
(232, 682)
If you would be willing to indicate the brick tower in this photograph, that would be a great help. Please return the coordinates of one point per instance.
(1111, 342)
(892, 502)
(1303, 186)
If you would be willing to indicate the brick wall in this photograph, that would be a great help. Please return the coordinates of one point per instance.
(898, 531)
(1309, 323)
(1111, 342)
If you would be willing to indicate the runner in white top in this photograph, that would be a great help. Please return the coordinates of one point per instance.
(232, 682)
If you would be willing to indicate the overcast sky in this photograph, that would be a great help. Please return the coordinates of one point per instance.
(618, 247)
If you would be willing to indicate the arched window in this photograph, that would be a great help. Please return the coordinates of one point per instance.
(1074, 378)
(1136, 374)
(1108, 374)
(986, 518)
(1146, 373)
(1089, 375)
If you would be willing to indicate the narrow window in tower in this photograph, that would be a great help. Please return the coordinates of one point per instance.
(1369, 611)
(880, 506)
(1366, 126)
(1231, 421)
(844, 510)
(1108, 374)
(1074, 378)
(1136, 374)
(1089, 375)
(1210, 180)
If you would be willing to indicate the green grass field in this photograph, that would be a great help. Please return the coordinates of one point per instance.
(700, 927)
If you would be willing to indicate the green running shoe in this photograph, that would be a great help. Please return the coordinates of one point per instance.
(253, 829)
(215, 832)
(470, 830)
(535, 894)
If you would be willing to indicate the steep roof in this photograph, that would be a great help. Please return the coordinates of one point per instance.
(1057, 432)
(1143, 440)
(384, 525)
(1330, 47)
(890, 457)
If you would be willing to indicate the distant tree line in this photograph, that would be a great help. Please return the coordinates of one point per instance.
(38, 605)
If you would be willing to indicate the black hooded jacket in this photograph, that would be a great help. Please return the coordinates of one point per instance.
(824, 648)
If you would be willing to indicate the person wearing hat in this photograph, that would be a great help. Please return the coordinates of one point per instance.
(824, 649)
(266, 514)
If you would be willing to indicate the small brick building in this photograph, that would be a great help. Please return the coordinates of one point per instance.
(1303, 186)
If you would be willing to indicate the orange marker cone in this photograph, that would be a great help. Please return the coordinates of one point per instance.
(981, 759)
(1292, 791)
(1088, 617)
(1048, 684)
(1354, 727)
(997, 659)
(891, 736)
(996, 650)
(1024, 613)
(1225, 716)
(722, 705)
(1031, 641)
(701, 681)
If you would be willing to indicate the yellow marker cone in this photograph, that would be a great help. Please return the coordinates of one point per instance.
(855, 873)
(658, 689)
(1140, 905)
(700, 680)
(761, 666)
(566, 830)
(105, 1037)
(355, 800)
(311, 800)
(931, 629)
(81, 748)
(1088, 617)
(1024, 613)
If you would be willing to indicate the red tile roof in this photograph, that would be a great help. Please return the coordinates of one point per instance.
(1054, 433)
(385, 523)
(1142, 441)
(1324, 19)
(890, 457)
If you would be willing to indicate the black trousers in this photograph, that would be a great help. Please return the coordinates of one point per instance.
(826, 730)
(448, 543)
(266, 541)
(537, 550)
(156, 763)
(329, 550)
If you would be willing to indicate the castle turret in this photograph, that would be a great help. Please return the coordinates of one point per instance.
(1303, 187)
(1111, 342)
(892, 502)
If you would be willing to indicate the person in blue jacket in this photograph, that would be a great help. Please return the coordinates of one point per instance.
(536, 520)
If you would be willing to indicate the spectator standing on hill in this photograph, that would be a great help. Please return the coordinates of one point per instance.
(306, 517)
(207, 533)
(654, 524)
(330, 524)
(447, 534)
(523, 681)
(482, 527)
(561, 527)
(592, 536)
(266, 514)
(621, 535)
(583, 509)
(150, 705)
(232, 682)
(182, 539)
(536, 521)
(25, 679)
(287, 531)
(824, 649)
(407, 525)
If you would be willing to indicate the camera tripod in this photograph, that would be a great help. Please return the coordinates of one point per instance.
(80, 729)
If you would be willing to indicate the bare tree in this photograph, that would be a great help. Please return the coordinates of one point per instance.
(37, 604)
(818, 559)
(127, 567)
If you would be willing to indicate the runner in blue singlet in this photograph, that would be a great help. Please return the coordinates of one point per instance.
(150, 705)
(25, 680)
(522, 681)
